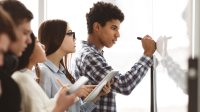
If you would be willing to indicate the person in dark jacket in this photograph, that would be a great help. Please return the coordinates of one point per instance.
(10, 99)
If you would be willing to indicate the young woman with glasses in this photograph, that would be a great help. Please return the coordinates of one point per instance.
(59, 41)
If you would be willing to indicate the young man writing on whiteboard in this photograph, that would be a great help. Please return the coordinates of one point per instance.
(103, 23)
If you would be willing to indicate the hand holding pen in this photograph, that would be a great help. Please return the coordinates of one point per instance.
(149, 45)
(78, 87)
(62, 85)
(63, 101)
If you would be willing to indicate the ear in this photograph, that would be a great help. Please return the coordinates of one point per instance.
(96, 27)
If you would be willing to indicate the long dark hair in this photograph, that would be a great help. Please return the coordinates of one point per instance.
(24, 59)
(52, 33)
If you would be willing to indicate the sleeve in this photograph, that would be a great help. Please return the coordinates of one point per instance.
(51, 105)
(96, 68)
(23, 83)
(45, 81)
(87, 107)
(30, 93)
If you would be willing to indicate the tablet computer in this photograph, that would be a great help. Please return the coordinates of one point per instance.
(99, 87)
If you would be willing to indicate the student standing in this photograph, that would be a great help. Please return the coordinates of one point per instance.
(103, 23)
(59, 40)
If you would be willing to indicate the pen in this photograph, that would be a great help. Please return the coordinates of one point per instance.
(62, 85)
(59, 82)
(140, 38)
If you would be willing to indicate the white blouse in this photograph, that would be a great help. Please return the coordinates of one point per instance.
(34, 99)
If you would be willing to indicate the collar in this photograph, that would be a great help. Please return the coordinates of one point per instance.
(86, 44)
(26, 70)
(52, 66)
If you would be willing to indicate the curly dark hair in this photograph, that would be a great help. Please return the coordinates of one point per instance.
(102, 12)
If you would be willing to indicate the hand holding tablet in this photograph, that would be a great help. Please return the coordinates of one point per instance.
(99, 87)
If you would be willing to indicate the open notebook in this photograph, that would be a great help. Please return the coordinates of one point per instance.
(99, 87)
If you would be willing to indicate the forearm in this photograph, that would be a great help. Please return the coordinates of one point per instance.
(125, 83)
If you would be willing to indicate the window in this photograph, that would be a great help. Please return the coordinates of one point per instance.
(157, 18)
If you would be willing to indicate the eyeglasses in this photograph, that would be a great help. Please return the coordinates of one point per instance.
(71, 34)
